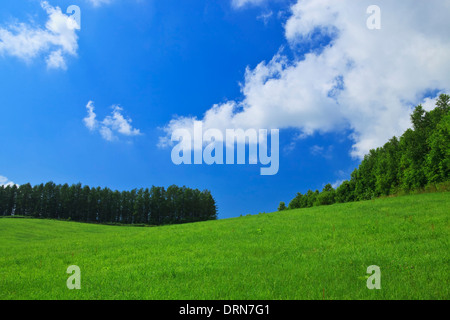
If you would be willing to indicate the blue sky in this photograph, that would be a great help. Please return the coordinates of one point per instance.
(162, 60)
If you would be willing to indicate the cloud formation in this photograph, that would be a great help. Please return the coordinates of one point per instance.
(241, 3)
(365, 81)
(265, 17)
(98, 3)
(56, 41)
(5, 182)
(111, 126)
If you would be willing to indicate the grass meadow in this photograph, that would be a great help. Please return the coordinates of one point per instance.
(316, 253)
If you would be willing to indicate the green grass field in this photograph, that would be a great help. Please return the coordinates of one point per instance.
(317, 253)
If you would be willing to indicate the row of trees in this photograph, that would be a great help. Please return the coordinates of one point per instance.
(419, 158)
(155, 206)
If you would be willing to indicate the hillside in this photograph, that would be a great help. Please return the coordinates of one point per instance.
(315, 253)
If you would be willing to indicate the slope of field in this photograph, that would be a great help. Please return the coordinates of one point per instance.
(317, 253)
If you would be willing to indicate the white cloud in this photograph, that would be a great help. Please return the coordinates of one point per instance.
(241, 3)
(364, 80)
(316, 150)
(56, 60)
(98, 3)
(265, 17)
(430, 103)
(57, 40)
(111, 126)
(337, 183)
(107, 133)
(118, 123)
(90, 120)
(5, 182)
(326, 153)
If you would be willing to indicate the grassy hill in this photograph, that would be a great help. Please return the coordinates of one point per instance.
(317, 253)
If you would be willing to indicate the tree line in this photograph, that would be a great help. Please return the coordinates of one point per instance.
(155, 206)
(419, 158)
